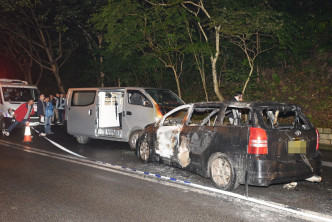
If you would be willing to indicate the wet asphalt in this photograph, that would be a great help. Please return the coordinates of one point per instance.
(37, 188)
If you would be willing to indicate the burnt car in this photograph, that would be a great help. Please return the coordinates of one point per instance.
(235, 142)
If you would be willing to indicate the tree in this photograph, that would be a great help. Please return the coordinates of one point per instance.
(40, 30)
(208, 28)
(147, 30)
(243, 27)
(13, 51)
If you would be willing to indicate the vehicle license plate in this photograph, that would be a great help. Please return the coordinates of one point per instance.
(299, 146)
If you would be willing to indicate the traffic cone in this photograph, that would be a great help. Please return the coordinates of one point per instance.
(27, 134)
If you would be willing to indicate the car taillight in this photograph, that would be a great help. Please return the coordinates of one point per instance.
(317, 144)
(257, 141)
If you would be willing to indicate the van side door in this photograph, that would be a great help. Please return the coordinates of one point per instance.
(82, 113)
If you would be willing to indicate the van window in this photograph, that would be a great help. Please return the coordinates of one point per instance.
(237, 116)
(164, 97)
(135, 97)
(83, 98)
(12, 94)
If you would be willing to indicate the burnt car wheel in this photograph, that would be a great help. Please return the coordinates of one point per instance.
(82, 139)
(144, 151)
(133, 138)
(222, 172)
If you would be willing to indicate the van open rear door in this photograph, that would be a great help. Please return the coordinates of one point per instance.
(109, 117)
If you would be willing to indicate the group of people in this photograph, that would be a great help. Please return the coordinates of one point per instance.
(49, 109)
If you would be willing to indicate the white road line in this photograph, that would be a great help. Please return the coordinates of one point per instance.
(328, 164)
(63, 148)
(304, 214)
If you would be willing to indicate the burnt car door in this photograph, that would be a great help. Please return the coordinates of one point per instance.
(234, 130)
(197, 135)
(167, 138)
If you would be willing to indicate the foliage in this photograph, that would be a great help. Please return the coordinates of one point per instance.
(173, 44)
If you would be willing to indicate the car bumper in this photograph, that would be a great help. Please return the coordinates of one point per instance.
(266, 172)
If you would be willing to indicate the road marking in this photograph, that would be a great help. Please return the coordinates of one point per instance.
(304, 214)
(328, 164)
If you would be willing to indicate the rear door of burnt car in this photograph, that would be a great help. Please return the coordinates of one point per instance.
(290, 134)
(233, 133)
(197, 135)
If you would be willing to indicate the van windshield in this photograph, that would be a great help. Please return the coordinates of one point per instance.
(164, 97)
(12, 94)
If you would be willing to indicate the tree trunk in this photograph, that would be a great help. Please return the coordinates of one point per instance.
(55, 71)
(250, 73)
(177, 81)
(214, 60)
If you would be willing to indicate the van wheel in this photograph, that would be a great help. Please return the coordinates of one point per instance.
(144, 151)
(133, 138)
(82, 139)
(222, 172)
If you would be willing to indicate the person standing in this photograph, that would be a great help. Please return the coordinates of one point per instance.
(41, 108)
(237, 97)
(41, 112)
(60, 105)
(48, 115)
(53, 101)
(235, 115)
(22, 115)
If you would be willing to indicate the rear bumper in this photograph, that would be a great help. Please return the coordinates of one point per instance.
(266, 172)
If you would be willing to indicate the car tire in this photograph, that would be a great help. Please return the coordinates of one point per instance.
(144, 150)
(133, 138)
(222, 172)
(82, 139)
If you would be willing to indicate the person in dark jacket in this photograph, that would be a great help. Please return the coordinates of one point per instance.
(235, 116)
(60, 105)
(41, 108)
(22, 115)
(41, 113)
(237, 97)
(53, 101)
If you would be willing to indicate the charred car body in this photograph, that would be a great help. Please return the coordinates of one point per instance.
(271, 142)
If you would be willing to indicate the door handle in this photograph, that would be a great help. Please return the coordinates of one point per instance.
(128, 113)
(90, 112)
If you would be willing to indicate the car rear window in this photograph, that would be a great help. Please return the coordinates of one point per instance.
(280, 119)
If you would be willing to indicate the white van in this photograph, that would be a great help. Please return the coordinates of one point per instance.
(13, 93)
(117, 114)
